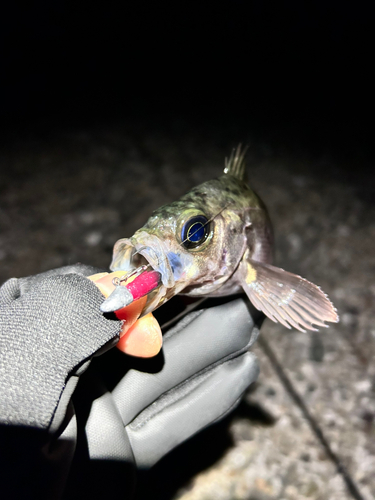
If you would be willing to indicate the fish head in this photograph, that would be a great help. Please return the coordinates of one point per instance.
(195, 243)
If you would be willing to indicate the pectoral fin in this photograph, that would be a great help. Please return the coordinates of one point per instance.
(285, 297)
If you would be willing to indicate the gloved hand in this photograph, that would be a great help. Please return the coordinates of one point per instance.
(51, 325)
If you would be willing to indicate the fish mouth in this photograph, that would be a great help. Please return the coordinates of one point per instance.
(160, 263)
(146, 249)
(143, 249)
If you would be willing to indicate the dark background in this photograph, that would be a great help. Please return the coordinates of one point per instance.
(291, 70)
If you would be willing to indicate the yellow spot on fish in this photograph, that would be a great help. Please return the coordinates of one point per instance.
(251, 274)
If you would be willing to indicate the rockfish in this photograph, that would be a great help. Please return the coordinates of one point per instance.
(215, 241)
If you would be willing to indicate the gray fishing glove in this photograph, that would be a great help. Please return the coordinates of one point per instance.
(129, 411)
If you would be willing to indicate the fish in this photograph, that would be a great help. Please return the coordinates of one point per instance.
(217, 240)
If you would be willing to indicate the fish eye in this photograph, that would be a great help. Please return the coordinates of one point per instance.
(195, 231)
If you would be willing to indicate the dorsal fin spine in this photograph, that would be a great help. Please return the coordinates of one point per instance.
(236, 165)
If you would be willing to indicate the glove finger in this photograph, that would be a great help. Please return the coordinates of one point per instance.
(184, 411)
(199, 341)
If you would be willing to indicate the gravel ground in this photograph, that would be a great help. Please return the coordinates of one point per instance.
(306, 431)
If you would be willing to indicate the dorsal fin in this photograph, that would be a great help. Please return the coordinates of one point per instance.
(236, 164)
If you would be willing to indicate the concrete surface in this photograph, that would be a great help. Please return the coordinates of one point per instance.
(307, 430)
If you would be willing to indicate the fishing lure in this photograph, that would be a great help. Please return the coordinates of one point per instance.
(215, 241)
